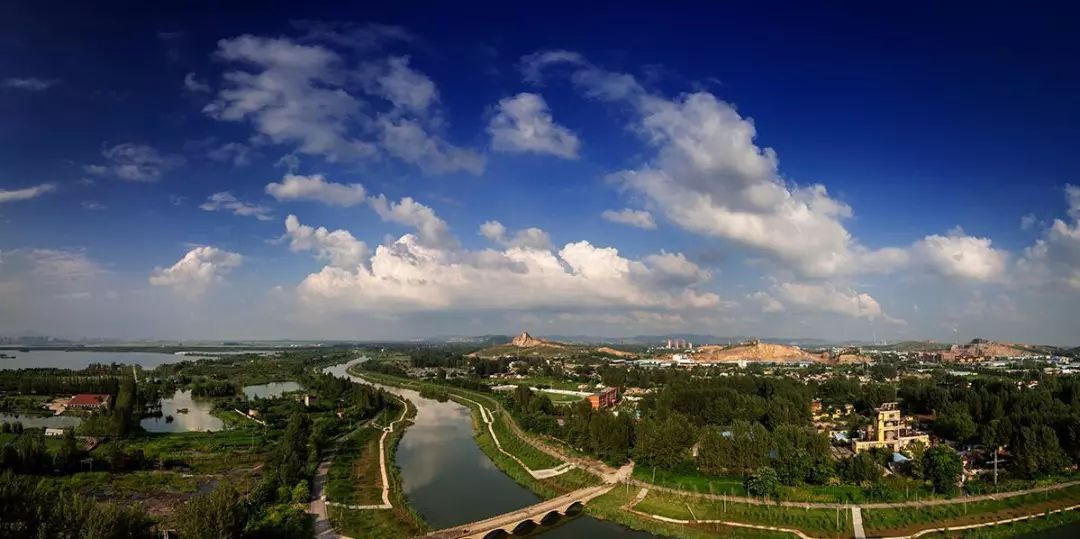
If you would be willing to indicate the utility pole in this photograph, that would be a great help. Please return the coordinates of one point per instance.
(996, 449)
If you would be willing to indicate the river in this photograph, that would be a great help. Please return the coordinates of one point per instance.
(449, 481)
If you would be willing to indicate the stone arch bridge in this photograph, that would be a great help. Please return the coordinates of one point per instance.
(532, 515)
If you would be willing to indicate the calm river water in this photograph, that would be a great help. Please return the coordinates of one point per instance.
(450, 481)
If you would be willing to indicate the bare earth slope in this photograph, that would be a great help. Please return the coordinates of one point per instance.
(753, 351)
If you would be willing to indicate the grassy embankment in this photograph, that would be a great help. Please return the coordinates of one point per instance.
(354, 478)
(610, 506)
(903, 521)
(1016, 529)
(901, 489)
(817, 522)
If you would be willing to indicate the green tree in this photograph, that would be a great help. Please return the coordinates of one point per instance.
(763, 482)
(955, 423)
(943, 467)
(1036, 451)
(115, 521)
(67, 454)
(218, 515)
(916, 450)
(663, 442)
(859, 469)
(712, 451)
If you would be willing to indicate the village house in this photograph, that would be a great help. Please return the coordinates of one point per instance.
(89, 401)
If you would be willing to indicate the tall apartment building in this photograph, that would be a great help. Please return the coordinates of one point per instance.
(890, 430)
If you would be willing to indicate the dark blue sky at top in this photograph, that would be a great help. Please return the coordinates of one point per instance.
(920, 116)
(899, 110)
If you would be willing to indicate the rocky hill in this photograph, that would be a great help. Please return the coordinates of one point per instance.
(980, 348)
(528, 341)
(525, 345)
(754, 351)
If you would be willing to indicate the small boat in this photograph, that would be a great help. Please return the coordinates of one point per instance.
(168, 419)
(181, 410)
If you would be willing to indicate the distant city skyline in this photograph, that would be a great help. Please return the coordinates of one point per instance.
(229, 172)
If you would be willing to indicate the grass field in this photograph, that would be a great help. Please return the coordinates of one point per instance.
(202, 452)
(899, 489)
(1019, 529)
(354, 476)
(610, 507)
(692, 482)
(818, 522)
(905, 520)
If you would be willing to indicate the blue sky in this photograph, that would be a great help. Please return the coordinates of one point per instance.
(845, 173)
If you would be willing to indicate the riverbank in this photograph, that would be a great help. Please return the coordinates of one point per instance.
(363, 494)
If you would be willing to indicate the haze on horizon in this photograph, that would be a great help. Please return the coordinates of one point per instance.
(391, 172)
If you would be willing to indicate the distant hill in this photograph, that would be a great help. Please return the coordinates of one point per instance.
(753, 351)
(983, 348)
(525, 345)
(911, 346)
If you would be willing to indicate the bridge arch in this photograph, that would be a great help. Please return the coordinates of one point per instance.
(525, 526)
(551, 517)
(572, 508)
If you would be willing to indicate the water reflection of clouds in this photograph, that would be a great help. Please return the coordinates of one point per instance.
(198, 418)
(272, 389)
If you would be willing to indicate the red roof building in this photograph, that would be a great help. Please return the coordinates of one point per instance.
(89, 401)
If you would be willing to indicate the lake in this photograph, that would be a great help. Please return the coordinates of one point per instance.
(41, 421)
(60, 359)
(271, 390)
(197, 419)
(449, 481)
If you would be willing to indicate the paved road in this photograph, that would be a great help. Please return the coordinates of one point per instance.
(317, 507)
(856, 523)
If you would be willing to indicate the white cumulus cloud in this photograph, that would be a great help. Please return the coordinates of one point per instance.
(963, 257)
(639, 218)
(523, 123)
(431, 229)
(315, 187)
(828, 297)
(408, 276)
(201, 269)
(306, 94)
(710, 177)
(528, 238)
(225, 201)
(338, 248)
(1054, 259)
